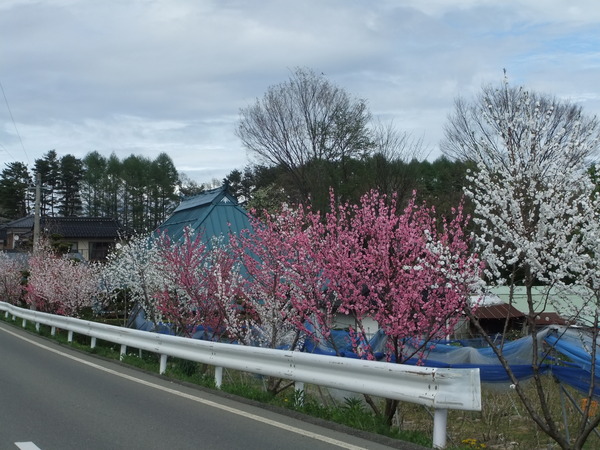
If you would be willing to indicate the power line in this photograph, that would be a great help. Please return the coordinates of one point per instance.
(14, 123)
(2, 147)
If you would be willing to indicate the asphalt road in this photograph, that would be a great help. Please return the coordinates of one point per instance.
(56, 398)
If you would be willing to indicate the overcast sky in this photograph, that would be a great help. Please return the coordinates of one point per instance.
(151, 76)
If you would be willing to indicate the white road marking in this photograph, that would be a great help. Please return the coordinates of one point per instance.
(238, 412)
(27, 446)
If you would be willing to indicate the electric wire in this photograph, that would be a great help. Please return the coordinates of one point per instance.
(4, 149)
(14, 123)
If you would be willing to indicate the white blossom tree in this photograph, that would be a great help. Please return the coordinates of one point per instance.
(134, 269)
(536, 213)
(11, 278)
(60, 285)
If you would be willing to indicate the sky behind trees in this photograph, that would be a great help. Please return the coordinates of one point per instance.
(152, 76)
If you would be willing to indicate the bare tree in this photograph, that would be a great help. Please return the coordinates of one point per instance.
(306, 125)
(537, 219)
(393, 150)
(510, 126)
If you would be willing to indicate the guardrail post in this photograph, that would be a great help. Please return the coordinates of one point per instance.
(24, 323)
(37, 327)
(123, 351)
(6, 314)
(70, 336)
(218, 377)
(440, 421)
(53, 331)
(163, 364)
(93, 343)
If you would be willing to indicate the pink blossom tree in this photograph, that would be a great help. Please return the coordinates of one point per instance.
(283, 292)
(406, 270)
(60, 285)
(11, 279)
(282, 286)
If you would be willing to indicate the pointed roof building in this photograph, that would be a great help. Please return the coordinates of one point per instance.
(212, 213)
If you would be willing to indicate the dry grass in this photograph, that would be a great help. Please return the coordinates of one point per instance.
(503, 422)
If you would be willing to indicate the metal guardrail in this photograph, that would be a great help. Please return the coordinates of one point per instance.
(441, 389)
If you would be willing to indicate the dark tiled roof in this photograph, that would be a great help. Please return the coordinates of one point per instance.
(23, 222)
(81, 227)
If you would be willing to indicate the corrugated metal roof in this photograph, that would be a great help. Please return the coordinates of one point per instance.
(501, 311)
(203, 199)
(212, 213)
(565, 303)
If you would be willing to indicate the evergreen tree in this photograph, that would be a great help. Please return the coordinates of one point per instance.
(113, 189)
(163, 181)
(49, 169)
(15, 197)
(70, 181)
(136, 180)
(94, 183)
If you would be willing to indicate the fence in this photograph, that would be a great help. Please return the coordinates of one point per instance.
(441, 389)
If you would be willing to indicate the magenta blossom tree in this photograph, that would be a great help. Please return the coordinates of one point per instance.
(181, 296)
(199, 284)
(408, 270)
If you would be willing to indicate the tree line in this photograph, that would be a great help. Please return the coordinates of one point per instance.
(139, 192)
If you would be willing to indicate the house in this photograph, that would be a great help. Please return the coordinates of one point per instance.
(212, 213)
(13, 232)
(90, 237)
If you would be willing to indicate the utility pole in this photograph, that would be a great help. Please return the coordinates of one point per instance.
(36, 217)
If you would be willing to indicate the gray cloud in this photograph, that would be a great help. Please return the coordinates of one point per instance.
(147, 76)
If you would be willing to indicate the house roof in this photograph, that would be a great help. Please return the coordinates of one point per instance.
(557, 305)
(213, 213)
(81, 227)
(24, 222)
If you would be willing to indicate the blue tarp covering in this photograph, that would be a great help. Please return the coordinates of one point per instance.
(566, 353)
